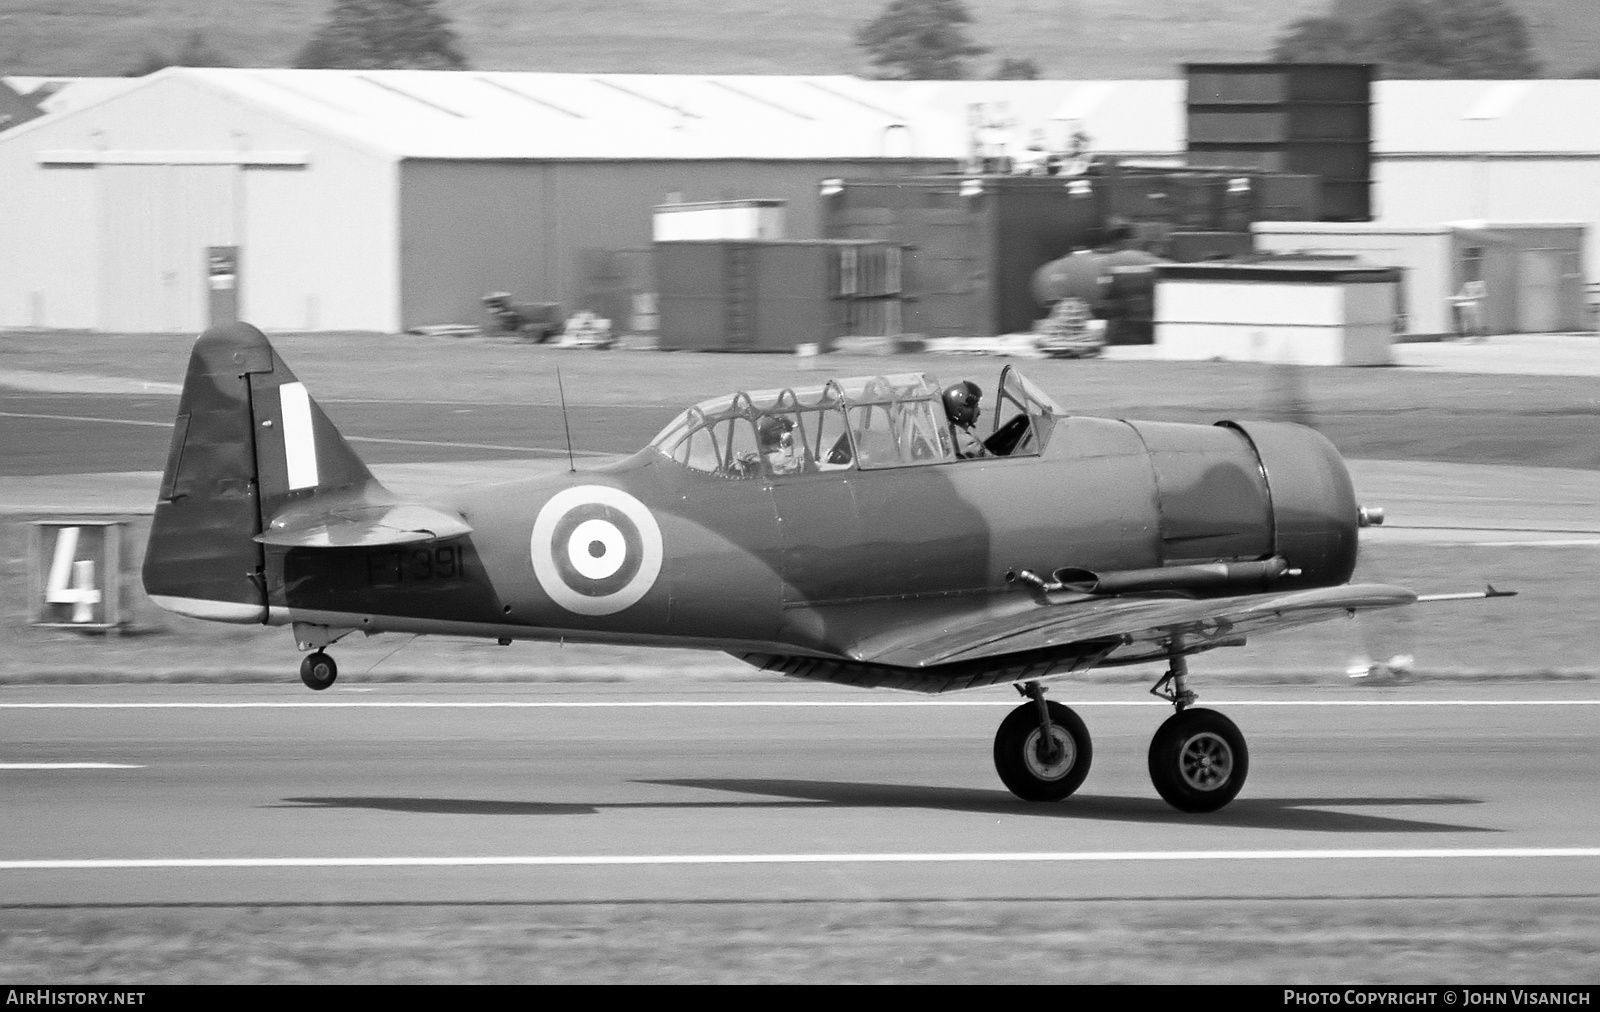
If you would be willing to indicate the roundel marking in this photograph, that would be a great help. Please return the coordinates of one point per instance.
(595, 549)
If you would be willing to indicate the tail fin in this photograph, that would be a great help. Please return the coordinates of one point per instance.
(249, 444)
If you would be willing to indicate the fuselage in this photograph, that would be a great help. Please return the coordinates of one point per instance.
(785, 522)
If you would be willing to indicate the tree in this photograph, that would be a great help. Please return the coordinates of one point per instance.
(1419, 38)
(1014, 68)
(1321, 40)
(383, 34)
(195, 52)
(920, 40)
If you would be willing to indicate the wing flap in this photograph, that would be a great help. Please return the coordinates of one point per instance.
(1133, 619)
(364, 526)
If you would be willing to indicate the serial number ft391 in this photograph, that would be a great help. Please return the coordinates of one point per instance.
(409, 565)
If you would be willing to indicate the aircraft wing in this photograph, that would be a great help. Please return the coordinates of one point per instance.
(358, 526)
(1130, 622)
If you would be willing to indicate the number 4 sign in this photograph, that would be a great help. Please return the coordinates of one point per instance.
(76, 574)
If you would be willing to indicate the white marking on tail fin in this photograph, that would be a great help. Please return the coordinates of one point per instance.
(299, 440)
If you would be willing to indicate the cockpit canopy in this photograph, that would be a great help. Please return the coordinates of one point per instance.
(865, 422)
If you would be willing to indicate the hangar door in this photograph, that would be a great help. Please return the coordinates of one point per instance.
(155, 222)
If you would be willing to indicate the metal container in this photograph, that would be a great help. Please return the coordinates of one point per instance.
(755, 295)
(972, 244)
(1313, 118)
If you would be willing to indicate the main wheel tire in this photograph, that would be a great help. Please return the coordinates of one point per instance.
(318, 671)
(1198, 760)
(1024, 771)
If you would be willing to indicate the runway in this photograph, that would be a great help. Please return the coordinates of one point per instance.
(774, 792)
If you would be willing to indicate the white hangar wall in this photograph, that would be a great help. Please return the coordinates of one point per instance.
(109, 208)
(1500, 151)
(1488, 187)
(49, 243)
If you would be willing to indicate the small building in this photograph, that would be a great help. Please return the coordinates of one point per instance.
(1532, 273)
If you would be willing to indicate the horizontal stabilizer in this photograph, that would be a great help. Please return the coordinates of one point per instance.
(364, 526)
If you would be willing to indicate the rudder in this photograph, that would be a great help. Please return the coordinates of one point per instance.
(248, 442)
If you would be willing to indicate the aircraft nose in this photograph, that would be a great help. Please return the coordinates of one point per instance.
(1314, 510)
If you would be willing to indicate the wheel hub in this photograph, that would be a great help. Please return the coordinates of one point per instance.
(1046, 762)
(1205, 761)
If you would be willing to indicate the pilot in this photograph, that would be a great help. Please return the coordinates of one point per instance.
(961, 407)
(775, 433)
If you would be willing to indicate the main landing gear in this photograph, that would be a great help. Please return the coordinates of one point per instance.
(1198, 759)
(1042, 750)
(318, 671)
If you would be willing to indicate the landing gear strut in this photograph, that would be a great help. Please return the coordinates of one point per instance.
(1198, 759)
(318, 671)
(1042, 750)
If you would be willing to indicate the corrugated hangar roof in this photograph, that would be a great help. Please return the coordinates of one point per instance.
(507, 114)
(491, 114)
(445, 114)
(517, 115)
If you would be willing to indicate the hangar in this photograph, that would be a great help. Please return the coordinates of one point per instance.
(390, 200)
(383, 200)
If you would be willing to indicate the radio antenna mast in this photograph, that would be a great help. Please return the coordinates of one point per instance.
(572, 465)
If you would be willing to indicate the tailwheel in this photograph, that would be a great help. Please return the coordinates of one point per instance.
(1040, 766)
(318, 671)
(1198, 760)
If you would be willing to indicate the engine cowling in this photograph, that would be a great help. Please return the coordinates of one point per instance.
(1235, 492)
(1314, 512)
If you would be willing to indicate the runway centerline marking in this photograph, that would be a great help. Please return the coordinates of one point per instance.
(70, 766)
(350, 438)
(85, 418)
(475, 446)
(613, 860)
(378, 704)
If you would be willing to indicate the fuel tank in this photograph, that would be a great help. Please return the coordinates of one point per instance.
(1090, 275)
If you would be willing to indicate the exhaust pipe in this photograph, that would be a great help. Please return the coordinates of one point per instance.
(1213, 576)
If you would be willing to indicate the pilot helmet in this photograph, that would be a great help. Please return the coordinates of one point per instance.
(771, 430)
(961, 403)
